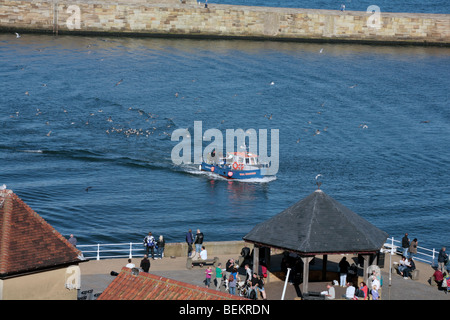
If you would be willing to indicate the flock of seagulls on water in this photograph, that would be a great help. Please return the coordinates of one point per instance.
(149, 131)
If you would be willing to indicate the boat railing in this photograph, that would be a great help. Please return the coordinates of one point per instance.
(133, 249)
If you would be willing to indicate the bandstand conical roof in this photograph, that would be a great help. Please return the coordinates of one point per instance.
(318, 224)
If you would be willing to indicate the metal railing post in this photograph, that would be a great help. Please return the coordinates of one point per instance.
(98, 251)
(131, 250)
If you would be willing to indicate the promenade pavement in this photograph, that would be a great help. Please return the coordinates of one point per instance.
(95, 274)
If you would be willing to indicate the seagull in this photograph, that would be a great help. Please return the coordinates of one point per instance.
(319, 175)
(353, 86)
(272, 83)
(119, 82)
(321, 50)
(48, 134)
(87, 189)
(17, 35)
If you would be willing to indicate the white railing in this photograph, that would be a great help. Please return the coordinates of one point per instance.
(114, 250)
(423, 254)
(133, 249)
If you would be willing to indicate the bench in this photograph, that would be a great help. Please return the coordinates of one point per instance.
(191, 262)
(414, 273)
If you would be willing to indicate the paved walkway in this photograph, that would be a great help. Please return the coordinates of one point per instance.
(96, 275)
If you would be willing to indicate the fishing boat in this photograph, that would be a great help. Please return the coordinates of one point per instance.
(235, 165)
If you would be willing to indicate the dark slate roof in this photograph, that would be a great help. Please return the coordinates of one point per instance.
(27, 242)
(318, 224)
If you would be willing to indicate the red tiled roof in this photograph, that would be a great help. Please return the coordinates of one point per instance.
(27, 242)
(146, 286)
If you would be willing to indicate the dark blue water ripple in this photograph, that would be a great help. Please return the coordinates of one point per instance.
(436, 6)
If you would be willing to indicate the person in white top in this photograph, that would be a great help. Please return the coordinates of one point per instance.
(203, 253)
(350, 292)
(403, 264)
(130, 265)
(375, 281)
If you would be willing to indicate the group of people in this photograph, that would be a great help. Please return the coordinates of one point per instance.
(409, 248)
(230, 277)
(154, 247)
(144, 266)
(442, 273)
(363, 292)
(196, 241)
(406, 266)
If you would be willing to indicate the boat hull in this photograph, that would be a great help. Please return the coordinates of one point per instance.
(231, 174)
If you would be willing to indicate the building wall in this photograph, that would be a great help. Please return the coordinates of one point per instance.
(47, 285)
(174, 18)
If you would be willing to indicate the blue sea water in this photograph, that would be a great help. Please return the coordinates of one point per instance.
(71, 106)
(435, 6)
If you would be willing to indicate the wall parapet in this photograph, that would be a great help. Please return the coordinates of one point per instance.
(173, 18)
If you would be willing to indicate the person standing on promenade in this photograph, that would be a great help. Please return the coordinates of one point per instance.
(208, 273)
(343, 270)
(219, 276)
(405, 245)
(73, 240)
(228, 269)
(189, 241)
(261, 287)
(198, 241)
(248, 273)
(145, 263)
(413, 248)
(442, 259)
(149, 243)
(232, 280)
(160, 244)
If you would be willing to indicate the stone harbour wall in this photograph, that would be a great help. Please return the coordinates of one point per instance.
(191, 19)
